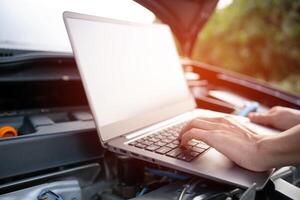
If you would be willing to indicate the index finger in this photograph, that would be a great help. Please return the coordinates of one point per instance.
(206, 124)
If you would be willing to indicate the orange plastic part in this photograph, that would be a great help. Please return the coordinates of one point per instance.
(8, 131)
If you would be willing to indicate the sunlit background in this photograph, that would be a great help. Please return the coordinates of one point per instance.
(223, 4)
(38, 25)
(257, 38)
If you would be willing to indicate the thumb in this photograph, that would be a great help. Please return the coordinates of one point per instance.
(260, 118)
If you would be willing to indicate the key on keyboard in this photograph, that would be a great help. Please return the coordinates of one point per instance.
(166, 142)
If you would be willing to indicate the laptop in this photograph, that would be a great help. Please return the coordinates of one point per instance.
(139, 97)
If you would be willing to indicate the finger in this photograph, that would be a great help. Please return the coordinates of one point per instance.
(224, 123)
(220, 140)
(187, 127)
(205, 124)
(232, 127)
(275, 109)
(194, 133)
(223, 120)
(260, 118)
(236, 126)
(219, 123)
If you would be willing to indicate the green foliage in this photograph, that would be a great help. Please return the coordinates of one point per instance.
(260, 38)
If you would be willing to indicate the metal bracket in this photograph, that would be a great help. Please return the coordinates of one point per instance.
(250, 193)
(287, 188)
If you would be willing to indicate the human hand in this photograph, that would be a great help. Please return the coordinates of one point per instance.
(230, 138)
(282, 118)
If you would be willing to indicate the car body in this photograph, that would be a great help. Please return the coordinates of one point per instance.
(42, 96)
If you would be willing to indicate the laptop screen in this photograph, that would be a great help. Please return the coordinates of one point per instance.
(131, 73)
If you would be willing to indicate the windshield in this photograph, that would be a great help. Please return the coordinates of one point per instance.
(38, 25)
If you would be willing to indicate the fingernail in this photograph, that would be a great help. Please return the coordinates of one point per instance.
(253, 114)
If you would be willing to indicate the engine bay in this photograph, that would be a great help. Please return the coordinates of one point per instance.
(56, 153)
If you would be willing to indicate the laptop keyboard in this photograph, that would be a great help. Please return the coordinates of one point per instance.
(166, 142)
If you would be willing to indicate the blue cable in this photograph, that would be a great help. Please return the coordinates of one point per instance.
(158, 172)
(249, 107)
(144, 190)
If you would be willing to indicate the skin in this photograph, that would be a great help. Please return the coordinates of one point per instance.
(243, 146)
(281, 118)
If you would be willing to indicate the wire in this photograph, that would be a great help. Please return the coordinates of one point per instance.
(216, 195)
(249, 107)
(183, 192)
(43, 194)
(190, 186)
(144, 190)
(168, 174)
(231, 194)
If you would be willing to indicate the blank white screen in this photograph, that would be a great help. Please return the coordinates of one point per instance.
(127, 70)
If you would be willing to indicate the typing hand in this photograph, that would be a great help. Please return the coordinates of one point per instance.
(230, 138)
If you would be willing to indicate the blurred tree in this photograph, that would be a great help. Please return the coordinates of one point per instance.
(257, 38)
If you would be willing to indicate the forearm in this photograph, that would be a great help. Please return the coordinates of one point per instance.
(282, 150)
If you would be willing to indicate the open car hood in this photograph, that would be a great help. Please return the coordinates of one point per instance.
(185, 17)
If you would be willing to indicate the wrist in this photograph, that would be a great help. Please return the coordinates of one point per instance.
(268, 152)
(296, 117)
(292, 118)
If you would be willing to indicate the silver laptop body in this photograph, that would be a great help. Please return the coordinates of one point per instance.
(136, 88)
